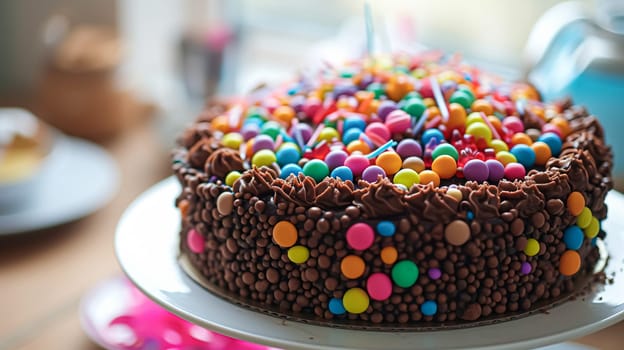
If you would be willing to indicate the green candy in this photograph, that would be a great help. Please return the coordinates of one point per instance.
(271, 128)
(445, 149)
(463, 98)
(405, 273)
(467, 90)
(316, 169)
(415, 107)
(377, 88)
(412, 94)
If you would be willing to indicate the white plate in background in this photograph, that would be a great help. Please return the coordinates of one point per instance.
(77, 179)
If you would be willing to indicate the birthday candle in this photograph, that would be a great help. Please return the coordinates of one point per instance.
(437, 93)
(489, 124)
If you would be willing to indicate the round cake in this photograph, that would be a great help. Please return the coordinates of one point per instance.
(395, 192)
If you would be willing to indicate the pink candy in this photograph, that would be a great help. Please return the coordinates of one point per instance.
(195, 241)
(398, 121)
(357, 163)
(379, 286)
(378, 133)
(514, 124)
(360, 236)
(514, 171)
(551, 128)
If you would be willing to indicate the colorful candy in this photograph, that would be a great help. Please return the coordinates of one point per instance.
(405, 273)
(445, 166)
(407, 178)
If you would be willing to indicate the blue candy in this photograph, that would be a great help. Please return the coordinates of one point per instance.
(432, 134)
(386, 228)
(336, 307)
(290, 169)
(351, 135)
(343, 173)
(287, 155)
(573, 237)
(524, 154)
(429, 308)
(553, 141)
(357, 123)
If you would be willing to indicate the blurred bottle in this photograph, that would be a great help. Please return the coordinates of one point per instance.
(578, 51)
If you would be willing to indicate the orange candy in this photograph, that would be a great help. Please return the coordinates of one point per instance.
(457, 116)
(542, 152)
(570, 263)
(482, 106)
(575, 203)
(521, 138)
(390, 162)
(358, 145)
(220, 123)
(432, 112)
(398, 86)
(352, 266)
(562, 124)
(496, 123)
(183, 206)
(285, 234)
(284, 114)
(249, 148)
(428, 176)
(389, 255)
(445, 166)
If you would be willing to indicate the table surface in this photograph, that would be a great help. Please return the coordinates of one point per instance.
(44, 274)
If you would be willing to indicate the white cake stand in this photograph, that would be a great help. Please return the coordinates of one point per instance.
(147, 247)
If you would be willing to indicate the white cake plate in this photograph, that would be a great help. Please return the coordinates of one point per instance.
(146, 243)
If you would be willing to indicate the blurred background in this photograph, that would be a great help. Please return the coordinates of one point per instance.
(130, 74)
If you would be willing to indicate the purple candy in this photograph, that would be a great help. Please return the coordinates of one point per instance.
(496, 169)
(385, 108)
(344, 90)
(297, 102)
(263, 142)
(434, 273)
(249, 131)
(371, 173)
(476, 170)
(409, 148)
(335, 159)
(305, 129)
(526, 268)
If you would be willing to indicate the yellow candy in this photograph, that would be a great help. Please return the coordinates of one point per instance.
(232, 177)
(328, 134)
(505, 157)
(429, 102)
(406, 177)
(592, 229)
(232, 140)
(355, 300)
(584, 219)
(263, 157)
(298, 254)
(473, 118)
(479, 130)
(455, 193)
(532, 247)
(498, 145)
(289, 145)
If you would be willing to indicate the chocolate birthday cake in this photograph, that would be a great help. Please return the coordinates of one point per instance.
(397, 192)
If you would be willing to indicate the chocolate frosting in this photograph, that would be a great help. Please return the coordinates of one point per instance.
(222, 161)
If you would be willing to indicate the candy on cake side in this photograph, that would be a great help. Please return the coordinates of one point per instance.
(374, 251)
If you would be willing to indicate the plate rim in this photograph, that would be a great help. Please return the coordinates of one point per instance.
(171, 182)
